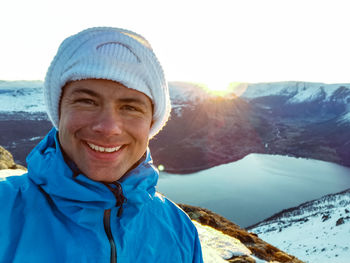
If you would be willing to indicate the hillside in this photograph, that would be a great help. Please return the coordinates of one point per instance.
(315, 231)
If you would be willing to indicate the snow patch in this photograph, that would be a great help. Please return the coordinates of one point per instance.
(10, 172)
(218, 247)
(185, 92)
(317, 231)
(297, 92)
(345, 118)
(226, 246)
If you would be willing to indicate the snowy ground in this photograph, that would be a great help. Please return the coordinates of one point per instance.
(10, 172)
(316, 232)
(217, 246)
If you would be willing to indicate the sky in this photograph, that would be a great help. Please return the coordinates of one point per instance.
(213, 42)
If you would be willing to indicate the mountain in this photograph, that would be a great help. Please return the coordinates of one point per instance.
(300, 119)
(315, 231)
(21, 96)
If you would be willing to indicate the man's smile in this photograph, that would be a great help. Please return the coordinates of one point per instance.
(103, 149)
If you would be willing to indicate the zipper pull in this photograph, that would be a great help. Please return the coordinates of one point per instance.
(121, 199)
(120, 211)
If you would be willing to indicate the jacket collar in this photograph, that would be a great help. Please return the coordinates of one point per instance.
(48, 169)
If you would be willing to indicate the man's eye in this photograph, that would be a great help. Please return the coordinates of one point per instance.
(85, 101)
(129, 108)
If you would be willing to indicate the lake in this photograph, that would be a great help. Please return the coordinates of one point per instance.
(256, 187)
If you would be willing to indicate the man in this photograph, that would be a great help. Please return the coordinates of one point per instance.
(89, 194)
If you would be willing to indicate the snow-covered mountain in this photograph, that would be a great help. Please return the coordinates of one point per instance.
(21, 96)
(298, 92)
(187, 92)
(182, 92)
(301, 119)
(315, 231)
(328, 100)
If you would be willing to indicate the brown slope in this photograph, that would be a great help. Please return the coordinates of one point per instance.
(259, 248)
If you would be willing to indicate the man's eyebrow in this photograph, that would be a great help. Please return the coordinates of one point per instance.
(132, 100)
(86, 91)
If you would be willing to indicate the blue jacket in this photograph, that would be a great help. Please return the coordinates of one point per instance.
(52, 214)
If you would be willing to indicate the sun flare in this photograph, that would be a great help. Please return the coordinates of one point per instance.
(225, 87)
(217, 85)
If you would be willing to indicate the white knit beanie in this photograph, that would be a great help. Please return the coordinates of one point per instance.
(113, 54)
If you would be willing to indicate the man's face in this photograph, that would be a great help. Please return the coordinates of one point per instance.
(104, 127)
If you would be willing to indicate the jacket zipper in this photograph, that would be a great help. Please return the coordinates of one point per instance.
(107, 226)
(120, 200)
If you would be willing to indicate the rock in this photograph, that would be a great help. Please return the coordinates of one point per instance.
(242, 259)
(258, 247)
(283, 257)
(340, 221)
(7, 162)
(325, 217)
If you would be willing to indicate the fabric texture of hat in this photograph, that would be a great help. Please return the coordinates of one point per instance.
(113, 54)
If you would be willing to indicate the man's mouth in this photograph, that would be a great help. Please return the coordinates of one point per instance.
(101, 149)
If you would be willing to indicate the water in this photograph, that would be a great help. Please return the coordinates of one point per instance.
(256, 187)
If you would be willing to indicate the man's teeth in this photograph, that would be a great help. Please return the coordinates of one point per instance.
(103, 149)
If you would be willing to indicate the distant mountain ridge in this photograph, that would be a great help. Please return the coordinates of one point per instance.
(299, 91)
(300, 119)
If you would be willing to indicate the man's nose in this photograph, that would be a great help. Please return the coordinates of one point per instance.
(108, 122)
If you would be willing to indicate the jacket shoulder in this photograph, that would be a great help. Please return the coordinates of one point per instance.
(164, 208)
(14, 190)
(166, 213)
(13, 184)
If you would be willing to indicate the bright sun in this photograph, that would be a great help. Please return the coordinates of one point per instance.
(222, 87)
(219, 85)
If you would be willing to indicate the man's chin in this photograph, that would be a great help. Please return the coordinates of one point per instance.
(104, 176)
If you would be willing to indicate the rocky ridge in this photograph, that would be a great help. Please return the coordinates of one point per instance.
(257, 246)
(7, 161)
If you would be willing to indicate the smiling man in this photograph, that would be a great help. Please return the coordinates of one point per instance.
(104, 127)
(89, 194)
